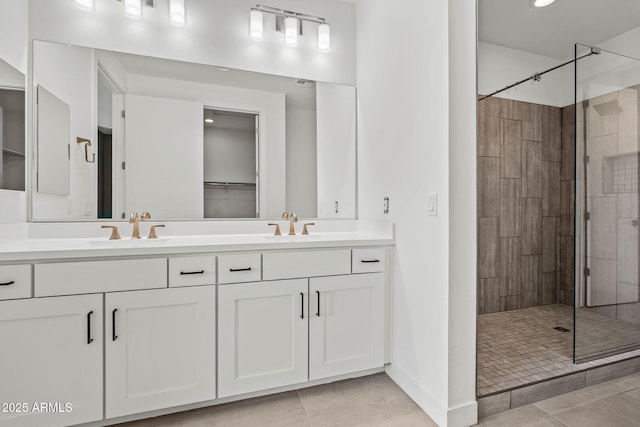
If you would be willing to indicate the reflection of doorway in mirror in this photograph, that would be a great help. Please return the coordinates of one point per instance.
(230, 164)
(12, 159)
(109, 147)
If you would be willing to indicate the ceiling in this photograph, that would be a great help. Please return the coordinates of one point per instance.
(296, 96)
(552, 31)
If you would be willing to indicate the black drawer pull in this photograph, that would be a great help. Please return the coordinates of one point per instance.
(89, 339)
(8, 283)
(318, 312)
(302, 311)
(235, 270)
(113, 325)
(368, 261)
(186, 273)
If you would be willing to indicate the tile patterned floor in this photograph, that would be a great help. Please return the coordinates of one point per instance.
(521, 347)
(369, 401)
(612, 404)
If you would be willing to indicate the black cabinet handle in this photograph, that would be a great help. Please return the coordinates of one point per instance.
(235, 270)
(186, 273)
(8, 283)
(89, 339)
(318, 312)
(302, 311)
(367, 261)
(113, 325)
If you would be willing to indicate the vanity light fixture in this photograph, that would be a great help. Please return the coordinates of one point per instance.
(542, 3)
(87, 5)
(177, 13)
(133, 9)
(290, 23)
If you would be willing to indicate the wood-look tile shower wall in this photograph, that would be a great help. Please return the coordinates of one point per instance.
(521, 222)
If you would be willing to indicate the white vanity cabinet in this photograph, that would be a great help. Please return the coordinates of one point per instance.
(96, 339)
(51, 355)
(159, 349)
(263, 335)
(279, 333)
(346, 324)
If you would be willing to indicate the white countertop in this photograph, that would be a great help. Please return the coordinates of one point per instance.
(22, 250)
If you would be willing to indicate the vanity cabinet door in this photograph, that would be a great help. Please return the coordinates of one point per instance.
(160, 349)
(346, 324)
(263, 336)
(51, 361)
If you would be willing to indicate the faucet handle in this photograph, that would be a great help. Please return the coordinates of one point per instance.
(146, 216)
(277, 232)
(285, 215)
(152, 231)
(304, 229)
(115, 235)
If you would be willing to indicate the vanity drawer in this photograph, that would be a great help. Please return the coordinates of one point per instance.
(368, 260)
(291, 265)
(239, 268)
(15, 281)
(66, 278)
(190, 271)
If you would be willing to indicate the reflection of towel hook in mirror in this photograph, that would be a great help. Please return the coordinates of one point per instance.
(87, 144)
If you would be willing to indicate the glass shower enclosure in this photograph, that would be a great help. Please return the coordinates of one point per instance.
(606, 126)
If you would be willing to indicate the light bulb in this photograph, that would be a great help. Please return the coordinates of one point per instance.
(87, 5)
(291, 31)
(177, 13)
(133, 9)
(256, 25)
(324, 38)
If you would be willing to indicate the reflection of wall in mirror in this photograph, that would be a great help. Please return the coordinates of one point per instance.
(69, 73)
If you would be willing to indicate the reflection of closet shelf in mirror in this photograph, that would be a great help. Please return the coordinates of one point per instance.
(12, 153)
(216, 184)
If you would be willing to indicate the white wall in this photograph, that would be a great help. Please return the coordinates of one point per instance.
(409, 146)
(302, 164)
(462, 407)
(216, 33)
(229, 155)
(14, 33)
(500, 66)
(336, 150)
(69, 73)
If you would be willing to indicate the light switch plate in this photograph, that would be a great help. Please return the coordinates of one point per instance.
(432, 204)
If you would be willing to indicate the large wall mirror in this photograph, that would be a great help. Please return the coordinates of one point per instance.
(185, 141)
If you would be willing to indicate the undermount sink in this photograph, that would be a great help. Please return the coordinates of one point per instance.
(296, 238)
(129, 243)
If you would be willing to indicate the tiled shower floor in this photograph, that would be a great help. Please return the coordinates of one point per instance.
(520, 347)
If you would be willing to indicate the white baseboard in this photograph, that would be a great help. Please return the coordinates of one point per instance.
(461, 416)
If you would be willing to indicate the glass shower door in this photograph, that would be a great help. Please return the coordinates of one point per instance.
(607, 293)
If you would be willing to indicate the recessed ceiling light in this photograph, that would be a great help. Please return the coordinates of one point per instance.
(223, 69)
(208, 120)
(542, 3)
